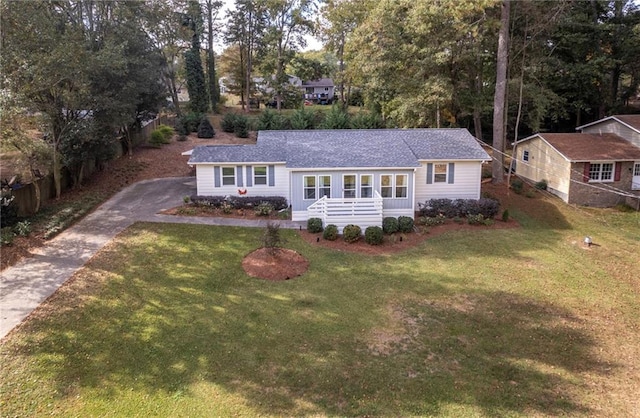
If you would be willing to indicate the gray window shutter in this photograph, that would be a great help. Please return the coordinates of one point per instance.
(272, 175)
(249, 177)
(216, 176)
(239, 176)
(429, 173)
(452, 167)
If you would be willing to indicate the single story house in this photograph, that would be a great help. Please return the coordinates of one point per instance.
(625, 126)
(589, 169)
(319, 91)
(346, 176)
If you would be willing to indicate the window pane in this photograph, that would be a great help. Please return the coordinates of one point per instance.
(260, 171)
(385, 180)
(259, 175)
(401, 192)
(324, 186)
(350, 182)
(401, 180)
(594, 171)
(309, 181)
(607, 172)
(525, 155)
(386, 191)
(228, 176)
(228, 171)
(309, 193)
(636, 169)
(440, 173)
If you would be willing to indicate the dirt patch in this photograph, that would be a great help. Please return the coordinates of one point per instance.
(211, 212)
(282, 264)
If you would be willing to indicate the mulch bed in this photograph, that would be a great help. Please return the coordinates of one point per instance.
(283, 264)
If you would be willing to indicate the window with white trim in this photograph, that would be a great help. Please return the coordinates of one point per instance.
(349, 186)
(525, 155)
(386, 185)
(440, 171)
(601, 172)
(366, 185)
(228, 176)
(260, 175)
(636, 169)
(402, 183)
(324, 186)
(309, 183)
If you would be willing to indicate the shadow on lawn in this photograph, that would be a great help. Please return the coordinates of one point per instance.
(299, 348)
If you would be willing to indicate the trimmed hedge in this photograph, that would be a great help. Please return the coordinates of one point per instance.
(240, 202)
(405, 224)
(448, 208)
(389, 225)
(330, 232)
(351, 233)
(314, 225)
(373, 235)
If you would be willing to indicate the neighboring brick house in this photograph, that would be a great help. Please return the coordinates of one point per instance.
(599, 167)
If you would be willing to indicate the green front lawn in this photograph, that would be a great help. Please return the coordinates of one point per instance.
(505, 322)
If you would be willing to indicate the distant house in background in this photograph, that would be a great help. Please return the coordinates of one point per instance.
(319, 91)
(599, 167)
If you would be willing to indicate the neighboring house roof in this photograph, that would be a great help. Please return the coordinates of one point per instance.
(349, 148)
(321, 82)
(632, 121)
(581, 147)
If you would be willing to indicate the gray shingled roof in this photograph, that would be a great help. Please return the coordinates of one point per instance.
(348, 148)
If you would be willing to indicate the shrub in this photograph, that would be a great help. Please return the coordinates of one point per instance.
(6, 236)
(489, 208)
(373, 235)
(167, 132)
(205, 129)
(405, 224)
(264, 209)
(226, 207)
(435, 207)
(182, 137)
(8, 209)
(241, 126)
(517, 185)
(22, 228)
(336, 118)
(240, 202)
(366, 120)
(389, 225)
(505, 215)
(270, 120)
(157, 139)
(351, 233)
(271, 239)
(488, 222)
(302, 119)
(314, 225)
(530, 194)
(188, 123)
(542, 185)
(475, 219)
(432, 220)
(330, 232)
(228, 122)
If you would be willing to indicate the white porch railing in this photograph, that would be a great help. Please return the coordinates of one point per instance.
(363, 212)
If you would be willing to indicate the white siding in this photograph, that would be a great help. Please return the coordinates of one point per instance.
(545, 163)
(614, 127)
(466, 182)
(205, 181)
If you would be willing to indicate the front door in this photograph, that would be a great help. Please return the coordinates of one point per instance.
(635, 180)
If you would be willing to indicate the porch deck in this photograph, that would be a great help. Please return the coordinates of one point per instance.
(363, 212)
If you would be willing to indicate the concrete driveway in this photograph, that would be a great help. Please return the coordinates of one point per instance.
(27, 284)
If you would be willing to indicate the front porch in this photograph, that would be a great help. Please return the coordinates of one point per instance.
(363, 212)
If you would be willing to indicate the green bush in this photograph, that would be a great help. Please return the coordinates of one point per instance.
(205, 130)
(271, 239)
(188, 123)
(157, 139)
(228, 122)
(6, 236)
(517, 185)
(542, 185)
(8, 209)
(390, 225)
(167, 132)
(241, 127)
(336, 118)
(22, 228)
(330, 232)
(314, 225)
(351, 233)
(264, 209)
(475, 219)
(373, 235)
(182, 137)
(505, 215)
(366, 120)
(302, 119)
(432, 220)
(405, 224)
(270, 120)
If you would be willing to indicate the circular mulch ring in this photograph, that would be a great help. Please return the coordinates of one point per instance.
(285, 264)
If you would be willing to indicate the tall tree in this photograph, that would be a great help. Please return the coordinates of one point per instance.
(288, 22)
(212, 8)
(500, 94)
(198, 96)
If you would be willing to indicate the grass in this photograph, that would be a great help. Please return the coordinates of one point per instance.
(510, 322)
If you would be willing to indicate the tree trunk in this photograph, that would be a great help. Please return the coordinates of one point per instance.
(249, 53)
(56, 172)
(500, 95)
(36, 189)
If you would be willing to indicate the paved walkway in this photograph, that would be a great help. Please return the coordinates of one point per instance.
(27, 284)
